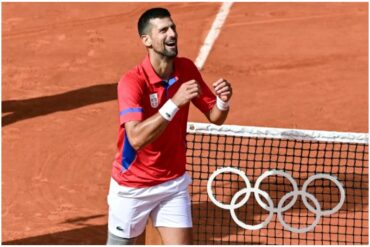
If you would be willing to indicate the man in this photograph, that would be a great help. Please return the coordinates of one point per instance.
(148, 176)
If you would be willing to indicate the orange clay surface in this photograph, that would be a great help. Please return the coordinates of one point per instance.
(292, 65)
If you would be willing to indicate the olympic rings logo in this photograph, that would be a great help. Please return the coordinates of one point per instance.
(280, 207)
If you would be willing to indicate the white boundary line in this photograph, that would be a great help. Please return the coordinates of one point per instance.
(213, 34)
(278, 133)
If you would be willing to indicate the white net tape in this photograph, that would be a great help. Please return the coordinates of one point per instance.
(278, 133)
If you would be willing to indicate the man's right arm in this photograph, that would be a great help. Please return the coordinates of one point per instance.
(141, 133)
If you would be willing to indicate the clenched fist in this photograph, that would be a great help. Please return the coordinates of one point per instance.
(187, 91)
(223, 89)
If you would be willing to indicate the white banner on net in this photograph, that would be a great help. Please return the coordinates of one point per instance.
(278, 133)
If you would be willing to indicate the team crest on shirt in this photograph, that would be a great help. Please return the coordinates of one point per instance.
(153, 100)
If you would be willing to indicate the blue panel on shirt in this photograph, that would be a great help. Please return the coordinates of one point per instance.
(128, 153)
(128, 110)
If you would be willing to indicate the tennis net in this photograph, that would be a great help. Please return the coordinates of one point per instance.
(331, 208)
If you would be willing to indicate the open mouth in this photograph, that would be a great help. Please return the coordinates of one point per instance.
(171, 43)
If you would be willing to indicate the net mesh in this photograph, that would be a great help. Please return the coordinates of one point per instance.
(301, 154)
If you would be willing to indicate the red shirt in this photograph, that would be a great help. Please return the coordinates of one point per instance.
(141, 93)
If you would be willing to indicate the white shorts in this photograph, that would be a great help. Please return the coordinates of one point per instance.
(168, 204)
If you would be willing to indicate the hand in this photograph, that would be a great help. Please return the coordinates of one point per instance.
(187, 91)
(223, 89)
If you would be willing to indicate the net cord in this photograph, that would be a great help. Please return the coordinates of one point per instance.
(278, 133)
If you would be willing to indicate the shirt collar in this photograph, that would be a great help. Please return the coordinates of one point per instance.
(151, 74)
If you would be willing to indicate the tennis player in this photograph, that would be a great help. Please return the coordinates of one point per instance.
(148, 176)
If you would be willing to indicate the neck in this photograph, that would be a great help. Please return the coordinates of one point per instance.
(162, 65)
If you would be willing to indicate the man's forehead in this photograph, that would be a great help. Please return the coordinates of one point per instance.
(161, 22)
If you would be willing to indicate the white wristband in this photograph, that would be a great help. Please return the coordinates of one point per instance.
(223, 106)
(168, 110)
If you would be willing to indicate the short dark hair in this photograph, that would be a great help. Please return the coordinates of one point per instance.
(148, 15)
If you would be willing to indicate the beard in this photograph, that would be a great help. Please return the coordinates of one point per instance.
(170, 53)
(167, 52)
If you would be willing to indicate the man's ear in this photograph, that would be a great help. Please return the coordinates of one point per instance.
(147, 41)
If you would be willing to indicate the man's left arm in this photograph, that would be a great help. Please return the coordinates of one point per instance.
(223, 90)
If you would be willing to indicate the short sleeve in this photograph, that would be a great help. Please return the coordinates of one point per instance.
(130, 92)
(207, 99)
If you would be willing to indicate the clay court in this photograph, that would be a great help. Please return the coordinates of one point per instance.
(292, 65)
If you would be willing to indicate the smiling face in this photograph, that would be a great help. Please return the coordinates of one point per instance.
(161, 37)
